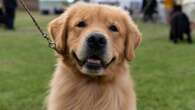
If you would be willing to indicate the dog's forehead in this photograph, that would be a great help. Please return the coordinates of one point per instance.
(87, 11)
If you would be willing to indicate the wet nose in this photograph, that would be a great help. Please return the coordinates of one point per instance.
(96, 41)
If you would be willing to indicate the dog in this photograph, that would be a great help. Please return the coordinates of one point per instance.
(180, 25)
(94, 43)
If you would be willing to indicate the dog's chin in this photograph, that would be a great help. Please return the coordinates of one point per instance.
(92, 66)
(92, 72)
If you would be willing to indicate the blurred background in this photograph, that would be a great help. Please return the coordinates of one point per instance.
(164, 68)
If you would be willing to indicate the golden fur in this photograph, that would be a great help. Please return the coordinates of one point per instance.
(73, 90)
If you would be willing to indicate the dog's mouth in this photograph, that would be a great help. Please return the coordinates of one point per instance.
(93, 62)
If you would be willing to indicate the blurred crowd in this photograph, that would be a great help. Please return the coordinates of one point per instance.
(150, 9)
(171, 11)
(7, 13)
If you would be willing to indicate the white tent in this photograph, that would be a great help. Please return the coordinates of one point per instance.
(189, 8)
(188, 2)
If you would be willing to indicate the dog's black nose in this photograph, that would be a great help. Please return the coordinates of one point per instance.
(96, 41)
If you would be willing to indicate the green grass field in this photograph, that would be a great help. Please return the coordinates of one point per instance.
(164, 73)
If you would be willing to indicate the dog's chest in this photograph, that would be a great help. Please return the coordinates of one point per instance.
(93, 97)
(69, 93)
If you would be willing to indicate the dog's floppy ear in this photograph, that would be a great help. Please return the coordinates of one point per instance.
(133, 38)
(58, 31)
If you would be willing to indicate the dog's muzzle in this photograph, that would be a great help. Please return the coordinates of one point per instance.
(94, 55)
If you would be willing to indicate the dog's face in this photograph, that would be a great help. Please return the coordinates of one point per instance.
(95, 37)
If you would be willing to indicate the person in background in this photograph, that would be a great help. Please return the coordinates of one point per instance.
(2, 15)
(2, 18)
(168, 8)
(149, 8)
(10, 9)
(144, 5)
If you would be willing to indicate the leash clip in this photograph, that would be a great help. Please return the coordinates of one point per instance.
(51, 44)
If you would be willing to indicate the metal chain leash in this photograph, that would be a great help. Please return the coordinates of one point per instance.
(51, 44)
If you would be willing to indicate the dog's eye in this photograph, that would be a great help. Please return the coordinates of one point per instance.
(113, 28)
(81, 24)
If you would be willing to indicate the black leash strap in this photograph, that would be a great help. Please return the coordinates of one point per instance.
(51, 44)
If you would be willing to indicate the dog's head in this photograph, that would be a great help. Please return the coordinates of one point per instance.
(95, 37)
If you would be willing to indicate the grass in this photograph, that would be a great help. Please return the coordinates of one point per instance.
(164, 73)
(23, 74)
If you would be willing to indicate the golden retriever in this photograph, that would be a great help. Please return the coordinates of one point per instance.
(95, 43)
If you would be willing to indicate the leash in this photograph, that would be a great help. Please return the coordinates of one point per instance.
(51, 44)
